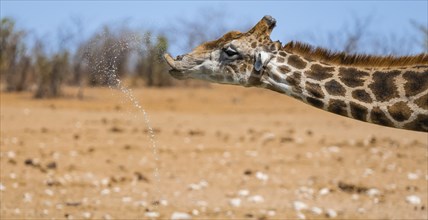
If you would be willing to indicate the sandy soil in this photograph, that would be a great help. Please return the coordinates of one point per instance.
(221, 152)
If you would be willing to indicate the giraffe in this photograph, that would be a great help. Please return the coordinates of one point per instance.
(389, 91)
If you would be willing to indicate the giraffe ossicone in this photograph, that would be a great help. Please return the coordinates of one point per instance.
(389, 91)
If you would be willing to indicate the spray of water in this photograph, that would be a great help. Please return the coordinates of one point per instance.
(105, 70)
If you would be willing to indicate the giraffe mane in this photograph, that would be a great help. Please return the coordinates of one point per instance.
(361, 60)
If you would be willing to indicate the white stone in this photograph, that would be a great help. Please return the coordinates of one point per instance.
(271, 213)
(413, 199)
(235, 202)
(194, 186)
(333, 149)
(373, 192)
(195, 212)
(163, 202)
(298, 205)
(301, 215)
(11, 154)
(180, 216)
(126, 199)
(105, 192)
(86, 215)
(12, 175)
(324, 191)
(256, 199)
(203, 183)
(107, 217)
(243, 192)
(2, 187)
(28, 197)
(331, 213)
(49, 192)
(316, 210)
(262, 176)
(152, 214)
(412, 176)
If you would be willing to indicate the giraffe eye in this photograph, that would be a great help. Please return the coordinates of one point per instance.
(230, 52)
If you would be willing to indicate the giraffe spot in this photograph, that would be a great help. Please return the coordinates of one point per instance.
(417, 82)
(319, 72)
(379, 117)
(422, 101)
(282, 53)
(277, 78)
(419, 124)
(272, 47)
(352, 77)
(243, 68)
(217, 78)
(362, 95)
(383, 86)
(338, 107)
(280, 59)
(400, 111)
(254, 44)
(315, 102)
(334, 88)
(358, 111)
(284, 69)
(293, 80)
(296, 61)
(274, 88)
(314, 90)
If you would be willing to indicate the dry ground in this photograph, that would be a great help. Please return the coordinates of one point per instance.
(222, 152)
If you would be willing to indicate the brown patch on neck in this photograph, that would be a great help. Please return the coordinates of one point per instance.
(342, 58)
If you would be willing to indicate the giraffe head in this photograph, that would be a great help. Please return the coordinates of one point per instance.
(235, 58)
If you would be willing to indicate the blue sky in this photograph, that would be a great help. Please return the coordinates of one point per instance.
(295, 19)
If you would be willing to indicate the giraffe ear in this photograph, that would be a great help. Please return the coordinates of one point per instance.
(261, 60)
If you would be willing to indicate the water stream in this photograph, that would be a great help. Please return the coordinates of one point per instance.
(108, 70)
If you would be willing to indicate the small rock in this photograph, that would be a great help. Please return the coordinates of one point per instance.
(271, 213)
(298, 205)
(195, 212)
(413, 199)
(107, 217)
(235, 202)
(324, 191)
(331, 213)
(194, 186)
(126, 199)
(86, 215)
(28, 197)
(152, 214)
(262, 176)
(11, 154)
(301, 215)
(316, 210)
(243, 192)
(256, 199)
(105, 192)
(412, 176)
(373, 192)
(180, 216)
(49, 192)
(2, 187)
(333, 149)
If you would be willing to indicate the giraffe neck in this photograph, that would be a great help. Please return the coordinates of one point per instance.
(389, 96)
